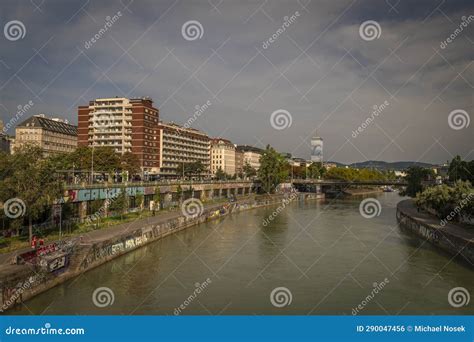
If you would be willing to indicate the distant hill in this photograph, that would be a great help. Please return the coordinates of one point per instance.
(381, 165)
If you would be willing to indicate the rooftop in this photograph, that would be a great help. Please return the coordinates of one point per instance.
(247, 148)
(40, 121)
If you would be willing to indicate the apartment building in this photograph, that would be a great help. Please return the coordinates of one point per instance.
(239, 161)
(127, 125)
(222, 156)
(53, 135)
(178, 146)
(251, 155)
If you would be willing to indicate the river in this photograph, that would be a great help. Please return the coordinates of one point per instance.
(328, 258)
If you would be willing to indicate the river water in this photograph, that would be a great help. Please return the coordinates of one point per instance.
(329, 258)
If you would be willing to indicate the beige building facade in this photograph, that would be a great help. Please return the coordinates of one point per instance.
(222, 156)
(52, 135)
(251, 155)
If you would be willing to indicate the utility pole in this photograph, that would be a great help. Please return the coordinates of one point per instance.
(73, 173)
(92, 165)
(60, 218)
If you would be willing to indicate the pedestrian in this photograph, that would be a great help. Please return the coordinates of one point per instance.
(34, 242)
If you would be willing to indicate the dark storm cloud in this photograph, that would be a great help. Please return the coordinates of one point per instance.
(319, 69)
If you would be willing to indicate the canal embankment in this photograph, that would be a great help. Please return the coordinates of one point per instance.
(451, 237)
(29, 273)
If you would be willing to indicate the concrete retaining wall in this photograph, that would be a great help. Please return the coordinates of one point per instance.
(441, 237)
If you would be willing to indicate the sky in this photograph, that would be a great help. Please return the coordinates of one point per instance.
(377, 80)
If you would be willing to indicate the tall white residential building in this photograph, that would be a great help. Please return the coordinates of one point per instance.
(180, 145)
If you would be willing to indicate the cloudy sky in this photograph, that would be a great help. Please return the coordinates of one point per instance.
(322, 75)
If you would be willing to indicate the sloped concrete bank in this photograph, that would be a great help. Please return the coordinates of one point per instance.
(63, 260)
(452, 238)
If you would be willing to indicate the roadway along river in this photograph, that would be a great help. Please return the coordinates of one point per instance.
(325, 253)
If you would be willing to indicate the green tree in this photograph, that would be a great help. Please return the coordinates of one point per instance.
(455, 201)
(354, 175)
(30, 179)
(179, 193)
(273, 169)
(220, 174)
(129, 162)
(181, 170)
(299, 172)
(248, 170)
(315, 170)
(196, 168)
(460, 170)
(190, 169)
(106, 160)
(121, 203)
(157, 198)
(415, 176)
(139, 198)
(341, 173)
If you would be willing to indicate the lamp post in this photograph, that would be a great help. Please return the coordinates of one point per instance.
(92, 165)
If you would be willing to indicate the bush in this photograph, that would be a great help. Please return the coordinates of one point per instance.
(445, 200)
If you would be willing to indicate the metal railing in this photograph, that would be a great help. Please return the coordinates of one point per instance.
(155, 183)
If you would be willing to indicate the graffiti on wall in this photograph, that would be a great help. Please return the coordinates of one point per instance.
(14, 294)
(110, 250)
(83, 195)
(32, 256)
(52, 257)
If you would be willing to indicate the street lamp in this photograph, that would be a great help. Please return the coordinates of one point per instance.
(92, 165)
